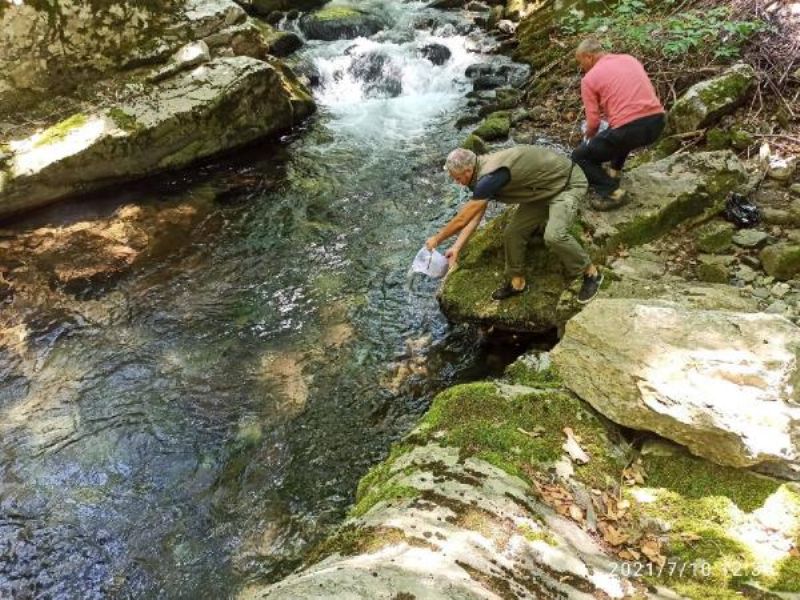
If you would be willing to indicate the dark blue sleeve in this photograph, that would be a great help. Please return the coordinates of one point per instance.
(490, 184)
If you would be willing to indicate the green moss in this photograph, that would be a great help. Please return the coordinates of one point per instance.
(334, 13)
(521, 373)
(484, 420)
(58, 132)
(494, 127)
(741, 139)
(382, 493)
(787, 577)
(727, 88)
(718, 139)
(474, 143)
(351, 540)
(541, 535)
(781, 261)
(746, 490)
(123, 120)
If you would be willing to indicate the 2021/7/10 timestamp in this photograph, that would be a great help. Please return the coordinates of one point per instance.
(694, 570)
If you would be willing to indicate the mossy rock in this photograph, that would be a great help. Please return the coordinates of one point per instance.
(713, 269)
(741, 139)
(495, 127)
(705, 102)
(474, 143)
(340, 23)
(781, 261)
(466, 293)
(715, 237)
(266, 7)
(665, 193)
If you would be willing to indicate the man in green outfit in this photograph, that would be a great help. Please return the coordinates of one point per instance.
(546, 185)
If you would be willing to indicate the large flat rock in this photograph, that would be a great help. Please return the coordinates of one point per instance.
(722, 383)
(215, 107)
(664, 193)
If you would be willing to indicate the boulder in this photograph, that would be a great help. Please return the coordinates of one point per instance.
(283, 43)
(707, 101)
(217, 106)
(438, 54)
(266, 7)
(664, 193)
(781, 261)
(722, 383)
(379, 76)
(339, 23)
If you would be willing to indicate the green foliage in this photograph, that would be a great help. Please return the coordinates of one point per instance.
(649, 29)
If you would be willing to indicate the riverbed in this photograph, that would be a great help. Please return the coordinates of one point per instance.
(199, 421)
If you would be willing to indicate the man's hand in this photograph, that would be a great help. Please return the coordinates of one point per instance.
(431, 243)
(452, 256)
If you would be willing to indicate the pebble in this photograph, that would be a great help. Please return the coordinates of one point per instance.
(762, 293)
(795, 189)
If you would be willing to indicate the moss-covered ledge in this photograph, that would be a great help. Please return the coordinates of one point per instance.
(482, 498)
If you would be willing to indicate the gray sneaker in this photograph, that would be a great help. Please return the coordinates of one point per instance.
(590, 287)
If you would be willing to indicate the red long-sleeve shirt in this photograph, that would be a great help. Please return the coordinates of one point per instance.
(618, 89)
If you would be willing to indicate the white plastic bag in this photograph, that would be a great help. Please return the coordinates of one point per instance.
(430, 263)
(603, 127)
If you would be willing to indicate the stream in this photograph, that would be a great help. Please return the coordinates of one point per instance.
(213, 423)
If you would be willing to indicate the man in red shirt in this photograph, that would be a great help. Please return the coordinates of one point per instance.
(615, 87)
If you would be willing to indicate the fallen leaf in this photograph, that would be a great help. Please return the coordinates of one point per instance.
(629, 554)
(573, 448)
(795, 551)
(651, 548)
(612, 535)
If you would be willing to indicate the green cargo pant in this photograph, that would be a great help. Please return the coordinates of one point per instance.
(557, 216)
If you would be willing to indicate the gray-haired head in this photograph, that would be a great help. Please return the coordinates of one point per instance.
(460, 160)
(590, 46)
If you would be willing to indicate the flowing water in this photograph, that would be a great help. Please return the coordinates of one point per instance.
(210, 419)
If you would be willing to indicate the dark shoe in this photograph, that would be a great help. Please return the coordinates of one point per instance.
(507, 291)
(614, 200)
(590, 287)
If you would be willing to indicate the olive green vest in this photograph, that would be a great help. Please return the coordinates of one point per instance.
(537, 173)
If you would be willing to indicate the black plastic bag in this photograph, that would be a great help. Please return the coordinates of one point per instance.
(740, 211)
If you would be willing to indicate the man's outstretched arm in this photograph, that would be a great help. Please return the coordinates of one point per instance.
(463, 237)
(464, 217)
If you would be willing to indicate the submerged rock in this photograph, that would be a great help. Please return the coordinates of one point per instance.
(721, 383)
(339, 23)
(217, 106)
(438, 54)
(379, 75)
(709, 100)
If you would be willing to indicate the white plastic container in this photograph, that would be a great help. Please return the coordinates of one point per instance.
(433, 264)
